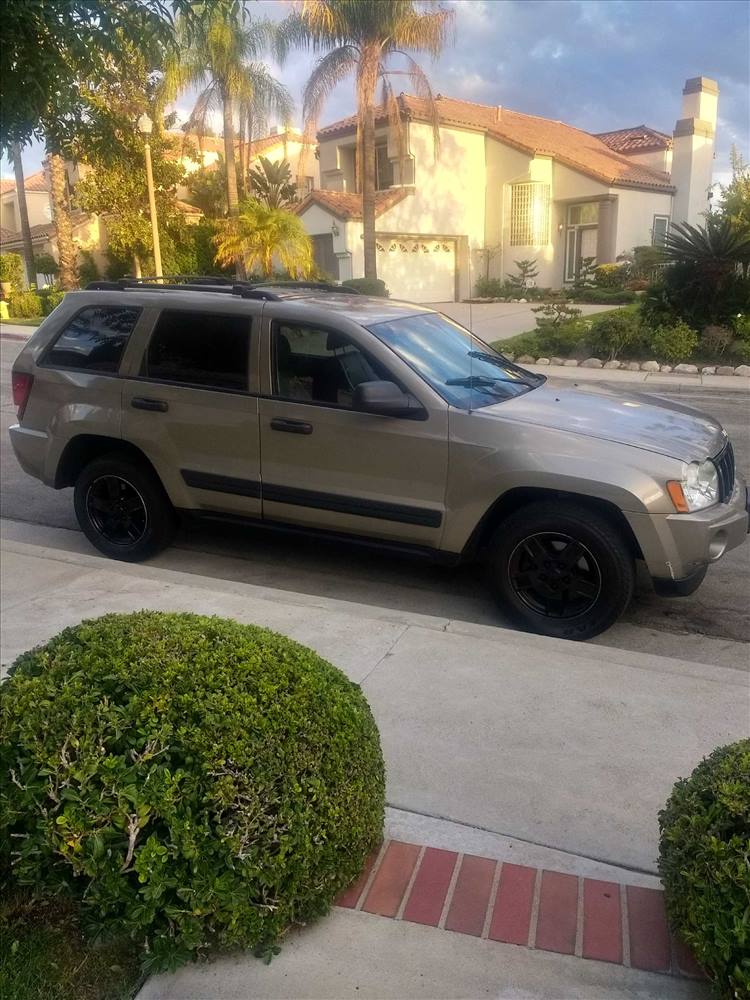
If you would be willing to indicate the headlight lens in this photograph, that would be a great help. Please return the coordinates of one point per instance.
(699, 487)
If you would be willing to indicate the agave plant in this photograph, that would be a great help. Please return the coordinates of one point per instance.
(719, 248)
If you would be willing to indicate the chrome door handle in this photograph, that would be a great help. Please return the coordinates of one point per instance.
(142, 403)
(291, 426)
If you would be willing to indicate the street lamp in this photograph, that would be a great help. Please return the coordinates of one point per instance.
(145, 125)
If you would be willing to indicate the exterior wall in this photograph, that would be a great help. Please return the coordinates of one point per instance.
(38, 204)
(568, 187)
(505, 165)
(657, 159)
(635, 216)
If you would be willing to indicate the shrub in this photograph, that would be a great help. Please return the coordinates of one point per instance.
(190, 780)
(605, 296)
(45, 263)
(611, 275)
(11, 269)
(51, 299)
(613, 333)
(493, 288)
(368, 286)
(673, 343)
(704, 861)
(715, 341)
(555, 314)
(87, 268)
(564, 340)
(24, 305)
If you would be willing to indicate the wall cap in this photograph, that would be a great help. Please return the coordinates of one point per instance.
(696, 84)
(694, 126)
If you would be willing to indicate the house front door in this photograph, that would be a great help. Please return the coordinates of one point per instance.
(323, 255)
(582, 237)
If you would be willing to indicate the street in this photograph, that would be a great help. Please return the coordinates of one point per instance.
(711, 626)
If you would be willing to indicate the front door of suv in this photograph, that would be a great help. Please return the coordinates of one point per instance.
(191, 406)
(328, 466)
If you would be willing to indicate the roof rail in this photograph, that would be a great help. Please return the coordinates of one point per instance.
(264, 290)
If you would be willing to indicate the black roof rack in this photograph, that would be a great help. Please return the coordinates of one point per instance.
(207, 283)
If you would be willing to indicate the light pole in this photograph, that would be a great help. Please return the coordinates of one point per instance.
(145, 126)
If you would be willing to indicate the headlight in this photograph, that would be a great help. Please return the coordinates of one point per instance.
(698, 488)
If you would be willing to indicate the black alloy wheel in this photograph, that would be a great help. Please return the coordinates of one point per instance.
(555, 575)
(117, 510)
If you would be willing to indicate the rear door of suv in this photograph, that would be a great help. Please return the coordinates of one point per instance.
(190, 404)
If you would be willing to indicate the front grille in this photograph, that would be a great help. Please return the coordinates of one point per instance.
(724, 463)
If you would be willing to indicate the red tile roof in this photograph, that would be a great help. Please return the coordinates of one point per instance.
(215, 144)
(34, 182)
(580, 150)
(346, 205)
(639, 139)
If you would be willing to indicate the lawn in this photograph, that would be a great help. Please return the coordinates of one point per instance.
(21, 321)
(46, 957)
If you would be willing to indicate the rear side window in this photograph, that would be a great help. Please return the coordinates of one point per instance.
(200, 349)
(94, 340)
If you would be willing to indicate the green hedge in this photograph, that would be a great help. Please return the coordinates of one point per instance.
(368, 286)
(193, 782)
(24, 305)
(603, 296)
(704, 860)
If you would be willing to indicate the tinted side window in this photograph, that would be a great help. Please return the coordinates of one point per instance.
(200, 349)
(94, 340)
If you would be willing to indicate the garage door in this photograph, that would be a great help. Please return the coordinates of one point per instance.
(418, 270)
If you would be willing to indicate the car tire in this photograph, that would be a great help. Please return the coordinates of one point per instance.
(122, 508)
(561, 570)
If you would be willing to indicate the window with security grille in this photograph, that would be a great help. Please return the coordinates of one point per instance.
(529, 214)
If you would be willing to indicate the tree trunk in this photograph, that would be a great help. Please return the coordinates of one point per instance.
(66, 250)
(368, 191)
(23, 214)
(233, 203)
(137, 272)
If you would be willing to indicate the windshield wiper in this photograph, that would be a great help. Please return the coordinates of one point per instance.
(471, 381)
(502, 362)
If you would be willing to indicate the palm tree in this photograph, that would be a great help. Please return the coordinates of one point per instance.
(272, 183)
(221, 55)
(258, 234)
(23, 211)
(715, 250)
(359, 37)
(67, 254)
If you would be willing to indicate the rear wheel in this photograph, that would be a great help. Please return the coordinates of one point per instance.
(122, 508)
(561, 570)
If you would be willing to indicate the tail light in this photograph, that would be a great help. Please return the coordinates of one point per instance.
(22, 383)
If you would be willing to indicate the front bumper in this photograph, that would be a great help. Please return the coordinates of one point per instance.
(677, 548)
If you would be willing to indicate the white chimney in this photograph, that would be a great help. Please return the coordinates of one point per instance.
(693, 150)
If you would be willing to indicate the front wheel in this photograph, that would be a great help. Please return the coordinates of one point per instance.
(561, 570)
(122, 508)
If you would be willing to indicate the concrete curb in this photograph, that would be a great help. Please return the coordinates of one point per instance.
(534, 908)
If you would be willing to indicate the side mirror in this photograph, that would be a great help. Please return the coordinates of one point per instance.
(386, 399)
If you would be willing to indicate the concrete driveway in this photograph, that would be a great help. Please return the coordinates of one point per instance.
(499, 320)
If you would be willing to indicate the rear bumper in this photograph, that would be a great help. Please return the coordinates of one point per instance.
(677, 548)
(30, 448)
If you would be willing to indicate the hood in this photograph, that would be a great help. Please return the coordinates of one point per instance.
(649, 422)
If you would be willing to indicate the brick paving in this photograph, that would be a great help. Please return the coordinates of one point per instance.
(545, 910)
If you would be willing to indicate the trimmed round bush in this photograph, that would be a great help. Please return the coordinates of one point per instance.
(193, 782)
(704, 860)
(368, 286)
(673, 343)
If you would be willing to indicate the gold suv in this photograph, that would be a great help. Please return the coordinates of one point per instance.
(315, 408)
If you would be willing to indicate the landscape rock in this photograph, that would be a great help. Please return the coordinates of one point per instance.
(742, 370)
(686, 369)
(592, 363)
(613, 364)
(725, 370)
(542, 361)
(650, 366)
(523, 300)
(570, 363)
(526, 359)
(709, 370)
(632, 366)
(666, 369)
(557, 361)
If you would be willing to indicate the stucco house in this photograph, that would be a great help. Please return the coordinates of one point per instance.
(513, 184)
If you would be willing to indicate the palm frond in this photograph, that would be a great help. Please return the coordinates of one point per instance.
(420, 84)
(423, 31)
(720, 242)
(330, 70)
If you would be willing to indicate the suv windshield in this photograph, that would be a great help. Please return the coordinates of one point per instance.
(465, 371)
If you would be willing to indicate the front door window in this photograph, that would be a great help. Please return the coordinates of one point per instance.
(582, 234)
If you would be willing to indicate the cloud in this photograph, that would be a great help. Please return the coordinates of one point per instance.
(548, 48)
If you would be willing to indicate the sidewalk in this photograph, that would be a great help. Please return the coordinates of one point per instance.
(498, 745)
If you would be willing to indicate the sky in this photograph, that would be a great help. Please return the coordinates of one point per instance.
(596, 64)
